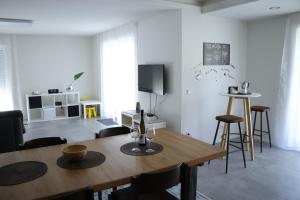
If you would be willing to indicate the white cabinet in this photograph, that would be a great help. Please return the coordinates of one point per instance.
(54, 106)
(49, 113)
(130, 116)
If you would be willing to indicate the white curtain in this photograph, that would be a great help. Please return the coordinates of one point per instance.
(118, 70)
(287, 130)
(10, 98)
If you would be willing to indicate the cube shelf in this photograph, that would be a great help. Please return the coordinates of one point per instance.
(45, 107)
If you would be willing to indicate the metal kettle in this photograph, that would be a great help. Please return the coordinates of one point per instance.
(245, 86)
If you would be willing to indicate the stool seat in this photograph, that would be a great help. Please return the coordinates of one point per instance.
(260, 108)
(229, 118)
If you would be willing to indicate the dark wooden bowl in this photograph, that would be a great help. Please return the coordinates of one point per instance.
(75, 152)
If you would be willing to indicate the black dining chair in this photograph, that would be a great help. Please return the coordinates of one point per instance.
(42, 142)
(108, 132)
(83, 194)
(113, 131)
(151, 186)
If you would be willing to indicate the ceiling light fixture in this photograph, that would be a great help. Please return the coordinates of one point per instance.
(10, 21)
(274, 8)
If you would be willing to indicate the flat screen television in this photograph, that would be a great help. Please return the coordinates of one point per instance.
(151, 79)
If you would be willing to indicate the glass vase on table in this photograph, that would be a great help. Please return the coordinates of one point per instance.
(150, 134)
(135, 134)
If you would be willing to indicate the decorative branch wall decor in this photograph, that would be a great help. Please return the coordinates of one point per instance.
(216, 63)
(216, 72)
(216, 54)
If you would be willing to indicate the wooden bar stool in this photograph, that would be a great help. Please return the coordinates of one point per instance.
(229, 119)
(261, 110)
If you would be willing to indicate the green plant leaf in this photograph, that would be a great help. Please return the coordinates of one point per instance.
(77, 76)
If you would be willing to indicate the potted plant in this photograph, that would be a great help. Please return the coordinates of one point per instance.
(76, 77)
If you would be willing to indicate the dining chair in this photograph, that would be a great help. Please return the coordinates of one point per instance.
(42, 142)
(83, 194)
(108, 132)
(151, 186)
(113, 131)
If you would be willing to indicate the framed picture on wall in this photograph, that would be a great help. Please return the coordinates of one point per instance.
(216, 54)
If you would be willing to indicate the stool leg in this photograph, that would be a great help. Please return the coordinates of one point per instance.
(94, 112)
(214, 142)
(242, 144)
(261, 134)
(254, 123)
(227, 149)
(269, 129)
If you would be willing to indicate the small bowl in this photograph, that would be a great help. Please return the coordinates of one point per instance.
(75, 152)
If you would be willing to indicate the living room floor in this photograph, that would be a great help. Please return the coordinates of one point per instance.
(274, 174)
(74, 130)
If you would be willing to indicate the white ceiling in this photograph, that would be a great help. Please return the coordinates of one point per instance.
(259, 9)
(89, 17)
(84, 17)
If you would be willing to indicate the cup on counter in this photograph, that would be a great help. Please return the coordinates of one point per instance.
(233, 89)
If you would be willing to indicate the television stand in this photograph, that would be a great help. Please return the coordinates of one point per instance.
(132, 117)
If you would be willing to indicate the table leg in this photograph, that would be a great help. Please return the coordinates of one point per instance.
(246, 123)
(189, 183)
(250, 133)
(229, 111)
(84, 112)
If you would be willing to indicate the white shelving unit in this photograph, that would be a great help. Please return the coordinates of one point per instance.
(45, 107)
(129, 117)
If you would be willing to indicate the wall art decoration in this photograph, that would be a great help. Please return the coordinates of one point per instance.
(216, 54)
(214, 72)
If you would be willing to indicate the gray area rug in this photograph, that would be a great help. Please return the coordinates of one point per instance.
(174, 191)
(107, 122)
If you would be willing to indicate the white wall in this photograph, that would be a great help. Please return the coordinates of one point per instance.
(199, 108)
(96, 68)
(159, 42)
(265, 46)
(51, 61)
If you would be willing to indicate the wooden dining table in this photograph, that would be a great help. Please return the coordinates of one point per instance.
(117, 169)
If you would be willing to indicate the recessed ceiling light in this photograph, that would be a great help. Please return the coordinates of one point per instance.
(274, 8)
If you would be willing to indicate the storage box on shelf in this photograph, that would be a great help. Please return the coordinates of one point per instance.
(129, 117)
(54, 106)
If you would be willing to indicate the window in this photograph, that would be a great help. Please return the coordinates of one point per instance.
(287, 126)
(118, 71)
(6, 101)
(293, 139)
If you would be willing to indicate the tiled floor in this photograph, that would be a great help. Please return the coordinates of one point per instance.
(273, 175)
(74, 130)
